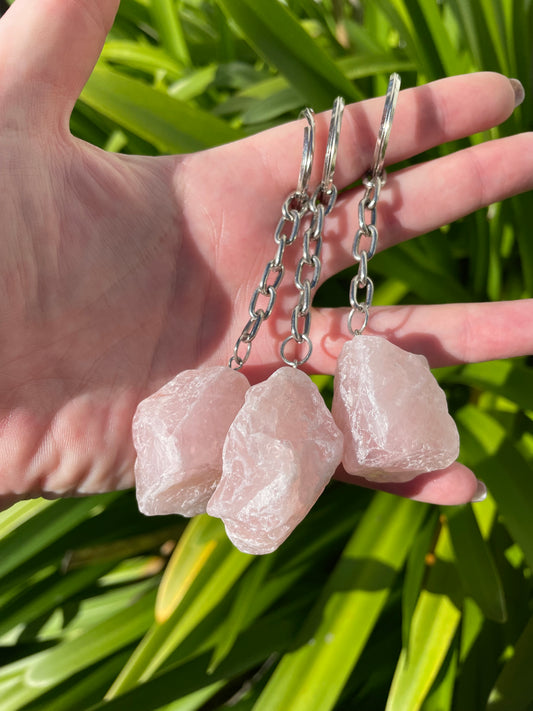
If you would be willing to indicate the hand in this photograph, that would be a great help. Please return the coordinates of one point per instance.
(119, 271)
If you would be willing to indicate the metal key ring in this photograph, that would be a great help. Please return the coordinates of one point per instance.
(386, 124)
(333, 145)
(306, 165)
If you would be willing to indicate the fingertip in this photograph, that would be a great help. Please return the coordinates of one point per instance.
(447, 487)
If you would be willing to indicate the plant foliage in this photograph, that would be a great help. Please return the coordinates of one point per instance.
(374, 602)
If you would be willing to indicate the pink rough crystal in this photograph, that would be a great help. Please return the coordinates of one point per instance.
(280, 453)
(179, 433)
(392, 412)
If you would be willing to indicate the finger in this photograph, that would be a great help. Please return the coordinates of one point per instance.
(424, 197)
(48, 50)
(451, 486)
(446, 334)
(426, 116)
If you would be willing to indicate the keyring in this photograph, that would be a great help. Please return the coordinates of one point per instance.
(333, 145)
(308, 151)
(386, 124)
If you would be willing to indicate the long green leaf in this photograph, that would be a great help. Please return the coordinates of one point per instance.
(419, 46)
(36, 674)
(253, 648)
(507, 378)
(171, 35)
(437, 34)
(144, 57)
(104, 639)
(433, 629)
(523, 204)
(514, 687)
(45, 596)
(472, 18)
(16, 515)
(416, 567)
(312, 677)
(276, 34)
(203, 568)
(243, 602)
(507, 474)
(47, 525)
(475, 564)
(440, 697)
(170, 125)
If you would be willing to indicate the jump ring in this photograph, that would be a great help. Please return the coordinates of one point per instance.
(295, 363)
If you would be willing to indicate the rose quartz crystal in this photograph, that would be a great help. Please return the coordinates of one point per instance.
(280, 453)
(179, 433)
(392, 412)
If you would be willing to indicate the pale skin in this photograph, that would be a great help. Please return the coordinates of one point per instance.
(118, 272)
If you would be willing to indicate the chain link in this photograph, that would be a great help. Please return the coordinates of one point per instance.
(310, 260)
(319, 206)
(366, 237)
(296, 205)
(265, 290)
(367, 231)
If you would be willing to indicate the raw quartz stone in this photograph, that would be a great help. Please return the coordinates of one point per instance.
(392, 412)
(179, 433)
(280, 452)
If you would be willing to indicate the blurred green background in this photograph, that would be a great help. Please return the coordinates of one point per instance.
(374, 602)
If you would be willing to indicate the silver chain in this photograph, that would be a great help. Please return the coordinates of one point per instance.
(367, 229)
(293, 210)
(362, 286)
(320, 205)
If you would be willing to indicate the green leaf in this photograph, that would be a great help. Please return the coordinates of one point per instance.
(203, 568)
(16, 515)
(34, 675)
(60, 662)
(523, 205)
(475, 564)
(507, 378)
(47, 524)
(416, 570)
(497, 461)
(358, 66)
(473, 22)
(171, 35)
(514, 687)
(441, 695)
(253, 648)
(141, 56)
(451, 60)
(170, 125)
(276, 34)
(424, 274)
(44, 596)
(435, 621)
(246, 594)
(312, 676)
(407, 20)
(193, 84)
(79, 690)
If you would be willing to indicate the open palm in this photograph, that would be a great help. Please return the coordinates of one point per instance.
(117, 272)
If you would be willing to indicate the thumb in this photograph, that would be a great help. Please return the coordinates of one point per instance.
(48, 49)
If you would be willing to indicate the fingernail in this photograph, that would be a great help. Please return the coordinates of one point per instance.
(519, 92)
(481, 493)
